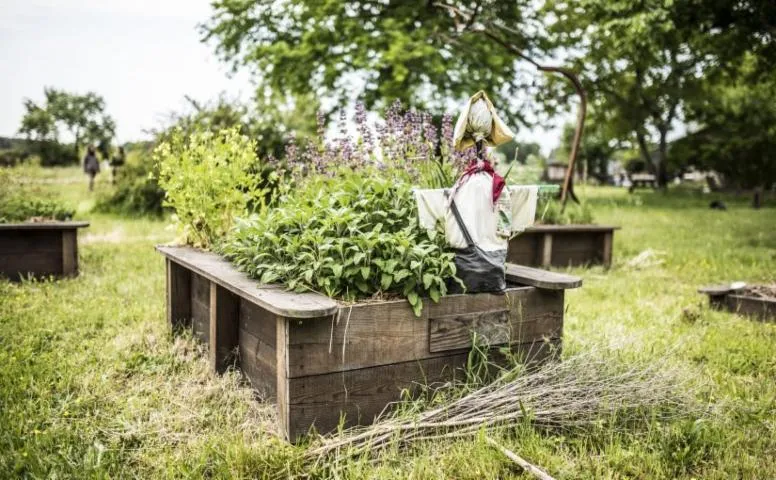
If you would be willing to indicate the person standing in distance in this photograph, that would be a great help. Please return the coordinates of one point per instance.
(91, 165)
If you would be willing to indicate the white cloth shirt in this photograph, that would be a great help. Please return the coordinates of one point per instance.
(481, 217)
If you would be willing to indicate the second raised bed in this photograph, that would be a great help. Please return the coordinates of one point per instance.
(563, 246)
(39, 249)
(322, 360)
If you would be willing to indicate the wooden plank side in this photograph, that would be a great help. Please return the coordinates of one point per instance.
(36, 253)
(52, 225)
(360, 395)
(178, 296)
(454, 332)
(258, 322)
(607, 241)
(274, 298)
(200, 307)
(282, 386)
(367, 335)
(523, 249)
(258, 362)
(69, 252)
(760, 308)
(544, 251)
(224, 324)
(570, 228)
(544, 279)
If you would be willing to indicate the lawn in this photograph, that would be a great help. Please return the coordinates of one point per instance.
(93, 385)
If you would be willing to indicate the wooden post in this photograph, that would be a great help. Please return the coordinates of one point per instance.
(545, 250)
(281, 347)
(69, 253)
(178, 296)
(606, 249)
(224, 323)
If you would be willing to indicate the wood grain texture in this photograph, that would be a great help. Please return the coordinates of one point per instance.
(454, 332)
(535, 277)
(34, 253)
(69, 252)
(43, 225)
(606, 249)
(545, 250)
(224, 325)
(258, 356)
(571, 228)
(360, 395)
(178, 296)
(282, 389)
(759, 308)
(367, 335)
(571, 245)
(274, 298)
(200, 307)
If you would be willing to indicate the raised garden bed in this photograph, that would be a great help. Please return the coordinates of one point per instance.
(39, 249)
(563, 246)
(758, 301)
(321, 359)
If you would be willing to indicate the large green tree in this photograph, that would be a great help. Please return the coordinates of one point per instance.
(82, 116)
(379, 51)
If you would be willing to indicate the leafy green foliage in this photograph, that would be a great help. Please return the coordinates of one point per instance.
(548, 212)
(209, 178)
(410, 51)
(82, 115)
(20, 205)
(137, 189)
(352, 236)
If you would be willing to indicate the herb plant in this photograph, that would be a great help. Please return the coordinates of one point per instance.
(351, 236)
(209, 179)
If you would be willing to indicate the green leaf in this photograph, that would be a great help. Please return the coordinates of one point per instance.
(413, 298)
(434, 294)
(427, 279)
(385, 281)
(365, 272)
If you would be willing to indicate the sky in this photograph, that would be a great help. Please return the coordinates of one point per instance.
(142, 56)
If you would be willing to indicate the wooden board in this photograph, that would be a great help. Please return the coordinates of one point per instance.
(571, 228)
(563, 245)
(178, 296)
(43, 225)
(274, 298)
(258, 355)
(367, 335)
(760, 308)
(224, 324)
(535, 277)
(360, 395)
(455, 332)
(39, 249)
(200, 307)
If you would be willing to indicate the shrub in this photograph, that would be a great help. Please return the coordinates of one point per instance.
(18, 205)
(209, 178)
(137, 190)
(548, 212)
(350, 236)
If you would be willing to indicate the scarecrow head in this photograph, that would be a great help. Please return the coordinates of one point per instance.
(478, 124)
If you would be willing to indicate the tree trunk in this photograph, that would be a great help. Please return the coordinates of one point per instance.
(662, 172)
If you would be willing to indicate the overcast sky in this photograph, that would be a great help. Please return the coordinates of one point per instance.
(142, 56)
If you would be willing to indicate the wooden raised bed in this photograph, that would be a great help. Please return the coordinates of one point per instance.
(39, 249)
(321, 359)
(563, 246)
(723, 297)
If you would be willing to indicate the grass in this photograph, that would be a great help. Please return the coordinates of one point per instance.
(92, 384)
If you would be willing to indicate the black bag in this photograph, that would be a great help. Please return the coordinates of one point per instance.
(480, 271)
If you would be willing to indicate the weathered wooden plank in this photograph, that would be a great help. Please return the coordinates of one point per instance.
(760, 308)
(224, 323)
(523, 249)
(281, 366)
(271, 297)
(258, 362)
(367, 335)
(545, 249)
(454, 332)
(200, 307)
(38, 264)
(43, 225)
(607, 241)
(541, 278)
(360, 395)
(178, 296)
(717, 289)
(69, 252)
(570, 228)
(258, 322)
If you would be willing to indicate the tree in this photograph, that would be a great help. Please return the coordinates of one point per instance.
(402, 50)
(520, 151)
(82, 116)
(597, 149)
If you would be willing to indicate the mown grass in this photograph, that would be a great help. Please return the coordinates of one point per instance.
(93, 385)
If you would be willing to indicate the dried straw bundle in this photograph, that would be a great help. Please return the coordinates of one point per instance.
(576, 394)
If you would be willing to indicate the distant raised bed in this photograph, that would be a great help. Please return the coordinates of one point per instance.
(322, 359)
(39, 249)
(758, 301)
(563, 246)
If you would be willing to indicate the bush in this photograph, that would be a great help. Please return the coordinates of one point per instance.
(17, 205)
(137, 190)
(209, 179)
(351, 236)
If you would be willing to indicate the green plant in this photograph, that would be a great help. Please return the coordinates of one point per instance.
(137, 190)
(19, 205)
(209, 179)
(548, 212)
(350, 236)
